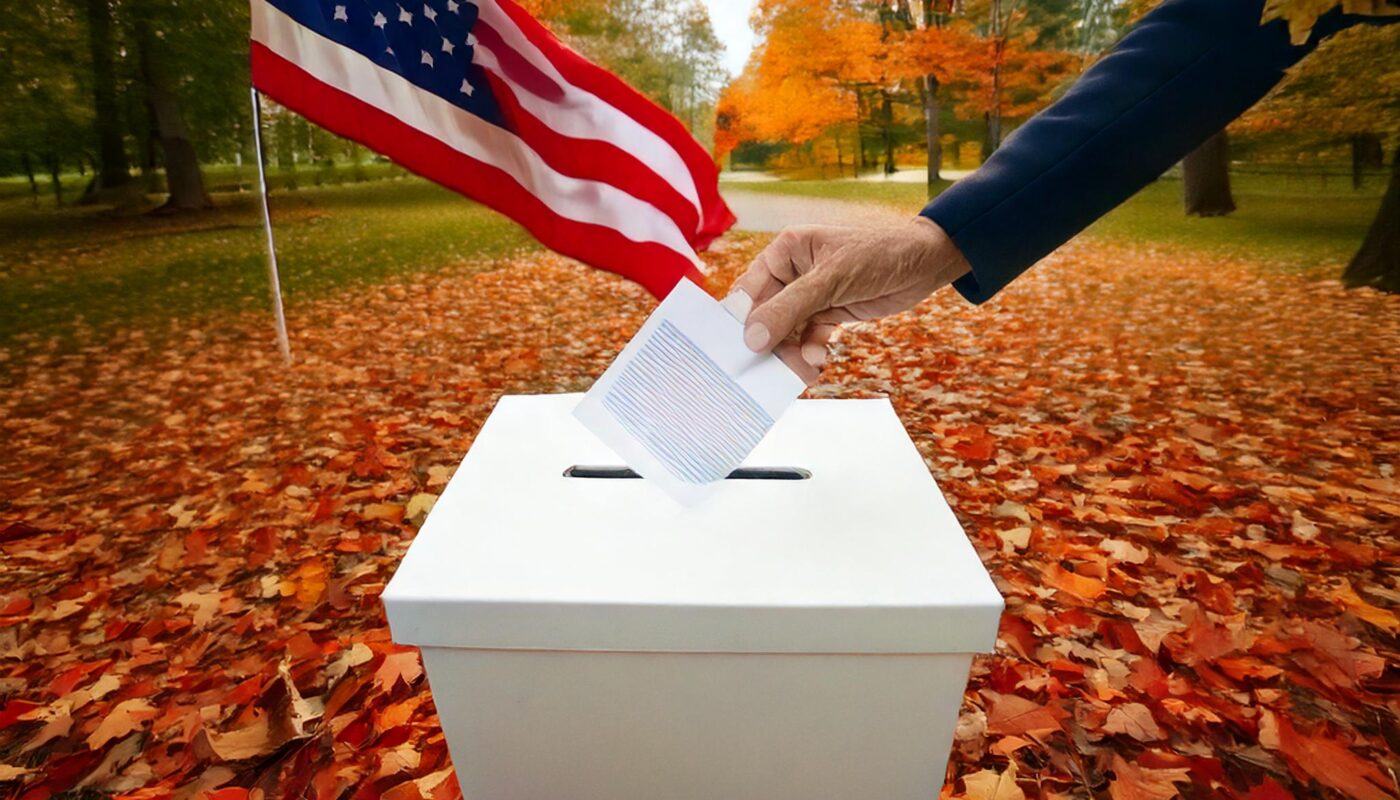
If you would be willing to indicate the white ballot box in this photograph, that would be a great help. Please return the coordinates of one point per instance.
(804, 633)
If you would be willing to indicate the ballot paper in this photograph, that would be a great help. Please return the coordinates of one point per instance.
(686, 401)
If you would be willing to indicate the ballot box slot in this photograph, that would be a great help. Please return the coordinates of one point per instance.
(740, 474)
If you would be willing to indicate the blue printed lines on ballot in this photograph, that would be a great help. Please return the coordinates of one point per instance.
(684, 409)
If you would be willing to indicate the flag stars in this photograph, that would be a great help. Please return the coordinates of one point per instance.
(340, 14)
(452, 6)
(447, 46)
(405, 16)
(426, 59)
(380, 20)
(471, 40)
(429, 12)
(467, 88)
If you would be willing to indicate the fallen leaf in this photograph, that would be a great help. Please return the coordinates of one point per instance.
(419, 506)
(1014, 539)
(1011, 714)
(1382, 618)
(1135, 720)
(1132, 782)
(1333, 763)
(404, 666)
(1081, 586)
(9, 773)
(251, 741)
(991, 785)
(126, 717)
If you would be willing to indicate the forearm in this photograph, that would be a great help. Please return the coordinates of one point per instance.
(1187, 70)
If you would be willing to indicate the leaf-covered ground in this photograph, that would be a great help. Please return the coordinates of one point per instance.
(1181, 473)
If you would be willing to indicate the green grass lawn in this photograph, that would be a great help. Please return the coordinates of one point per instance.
(69, 268)
(1299, 224)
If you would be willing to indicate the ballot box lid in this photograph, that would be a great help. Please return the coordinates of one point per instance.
(863, 556)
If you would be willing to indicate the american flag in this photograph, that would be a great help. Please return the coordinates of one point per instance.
(476, 95)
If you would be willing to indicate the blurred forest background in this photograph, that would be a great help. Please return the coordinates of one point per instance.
(142, 97)
(138, 95)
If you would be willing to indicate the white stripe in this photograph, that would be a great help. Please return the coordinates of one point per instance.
(582, 114)
(572, 198)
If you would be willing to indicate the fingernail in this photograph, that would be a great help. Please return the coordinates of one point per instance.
(756, 337)
(814, 354)
(738, 304)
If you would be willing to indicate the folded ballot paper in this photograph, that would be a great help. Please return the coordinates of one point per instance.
(686, 402)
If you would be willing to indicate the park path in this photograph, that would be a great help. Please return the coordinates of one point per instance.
(767, 213)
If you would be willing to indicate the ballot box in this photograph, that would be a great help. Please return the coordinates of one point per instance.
(804, 633)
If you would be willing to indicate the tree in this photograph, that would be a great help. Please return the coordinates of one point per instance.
(46, 108)
(666, 50)
(183, 179)
(113, 170)
(1348, 91)
(1377, 263)
(1205, 178)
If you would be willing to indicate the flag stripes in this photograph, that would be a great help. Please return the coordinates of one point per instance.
(480, 98)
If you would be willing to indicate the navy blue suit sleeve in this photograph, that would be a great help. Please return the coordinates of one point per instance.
(1183, 73)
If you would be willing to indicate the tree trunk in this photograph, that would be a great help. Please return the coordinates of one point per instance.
(860, 140)
(932, 134)
(113, 172)
(1377, 263)
(183, 178)
(55, 178)
(184, 183)
(29, 173)
(286, 150)
(1366, 153)
(887, 124)
(993, 117)
(1205, 178)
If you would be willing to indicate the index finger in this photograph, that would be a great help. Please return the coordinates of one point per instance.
(787, 257)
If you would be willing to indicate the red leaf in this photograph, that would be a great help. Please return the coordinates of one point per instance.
(1333, 764)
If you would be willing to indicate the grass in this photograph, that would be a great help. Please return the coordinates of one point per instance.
(72, 268)
(1296, 223)
(69, 270)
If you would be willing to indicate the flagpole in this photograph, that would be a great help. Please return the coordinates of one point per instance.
(282, 343)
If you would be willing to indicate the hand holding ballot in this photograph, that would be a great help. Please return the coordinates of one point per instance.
(813, 278)
(686, 402)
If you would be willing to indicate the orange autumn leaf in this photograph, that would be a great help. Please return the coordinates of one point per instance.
(1080, 586)
(1333, 763)
(1382, 618)
(1131, 782)
(1015, 715)
(992, 785)
(307, 582)
(126, 717)
(405, 666)
(1135, 720)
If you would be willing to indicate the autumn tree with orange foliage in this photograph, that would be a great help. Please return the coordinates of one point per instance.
(909, 53)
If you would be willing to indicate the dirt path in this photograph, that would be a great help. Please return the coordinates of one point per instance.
(763, 212)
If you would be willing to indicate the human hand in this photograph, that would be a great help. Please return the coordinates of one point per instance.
(812, 278)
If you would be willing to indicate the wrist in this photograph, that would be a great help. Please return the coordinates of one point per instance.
(942, 257)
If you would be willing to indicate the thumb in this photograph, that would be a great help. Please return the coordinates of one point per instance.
(787, 311)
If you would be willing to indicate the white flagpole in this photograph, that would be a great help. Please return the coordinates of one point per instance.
(282, 343)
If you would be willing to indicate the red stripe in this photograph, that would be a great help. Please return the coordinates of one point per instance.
(593, 159)
(613, 91)
(654, 266)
